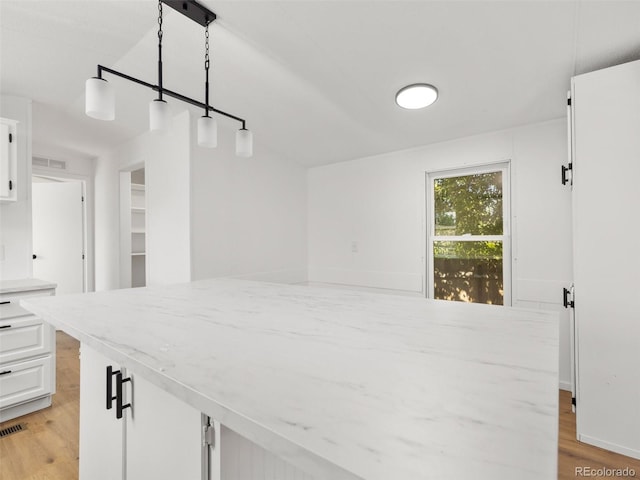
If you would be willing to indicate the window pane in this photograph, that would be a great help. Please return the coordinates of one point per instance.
(468, 272)
(468, 204)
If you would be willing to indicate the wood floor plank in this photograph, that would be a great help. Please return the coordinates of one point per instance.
(48, 448)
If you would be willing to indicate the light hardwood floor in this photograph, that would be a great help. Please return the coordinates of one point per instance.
(573, 454)
(48, 448)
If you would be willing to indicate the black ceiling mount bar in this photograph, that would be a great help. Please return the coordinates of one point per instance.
(193, 10)
(169, 93)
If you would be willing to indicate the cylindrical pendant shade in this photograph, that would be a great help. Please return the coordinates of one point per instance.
(99, 99)
(159, 116)
(207, 132)
(244, 143)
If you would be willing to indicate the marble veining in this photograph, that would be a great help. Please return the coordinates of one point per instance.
(342, 384)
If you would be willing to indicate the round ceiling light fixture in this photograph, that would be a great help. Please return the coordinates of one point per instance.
(417, 95)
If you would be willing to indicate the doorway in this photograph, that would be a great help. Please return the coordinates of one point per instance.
(133, 228)
(59, 232)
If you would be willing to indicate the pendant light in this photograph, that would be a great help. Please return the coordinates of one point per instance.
(100, 99)
(244, 143)
(159, 116)
(207, 126)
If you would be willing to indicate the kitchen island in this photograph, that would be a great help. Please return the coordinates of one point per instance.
(338, 384)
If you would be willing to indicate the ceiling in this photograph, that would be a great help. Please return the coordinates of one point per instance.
(315, 79)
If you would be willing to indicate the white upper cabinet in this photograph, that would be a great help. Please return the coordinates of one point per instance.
(8, 160)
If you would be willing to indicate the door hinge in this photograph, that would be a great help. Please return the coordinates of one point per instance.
(208, 435)
(83, 256)
(569, 101)
(10, 185)
(573, 401)
(82, 198)
(10, 137)
(566, 293)
(565, 170)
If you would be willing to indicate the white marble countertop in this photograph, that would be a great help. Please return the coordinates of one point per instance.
(342, 384)
(24, 284)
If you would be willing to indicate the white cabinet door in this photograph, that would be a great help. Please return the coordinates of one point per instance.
(8, 161)
(101, 434)
(163, 434)
(5, 161)
(606, 260)
(158, 437)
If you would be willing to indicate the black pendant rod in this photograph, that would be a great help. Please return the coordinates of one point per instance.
(160, 89)
(206, 69)
(160, 51)
(169, 93)
(206, 93)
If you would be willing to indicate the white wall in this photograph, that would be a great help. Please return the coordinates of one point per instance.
(107, 222)
(379, 202)
(209, 213)
(248, 214)
(15, 217)
(167, 161)
(167, 175)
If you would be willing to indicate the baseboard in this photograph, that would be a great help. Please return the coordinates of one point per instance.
(275, 276)
(565, 385)
(9, 413)
(359, 288)
(612, 447)
(403, 281)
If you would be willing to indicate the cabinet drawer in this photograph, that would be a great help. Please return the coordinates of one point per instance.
(24, 337)
(10, 302)
(10, 308)
(23, 381)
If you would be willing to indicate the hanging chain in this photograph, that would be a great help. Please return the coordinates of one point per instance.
(159, 49)
(206, 70)
(206, 47)
(160, 21)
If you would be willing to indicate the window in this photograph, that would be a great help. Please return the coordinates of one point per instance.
(468, 238)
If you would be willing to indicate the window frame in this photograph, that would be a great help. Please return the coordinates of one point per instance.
(506, 238)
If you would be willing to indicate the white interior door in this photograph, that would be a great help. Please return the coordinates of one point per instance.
(58, 234)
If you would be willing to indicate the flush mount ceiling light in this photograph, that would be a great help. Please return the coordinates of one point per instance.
(418, 95)
(100, 98)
